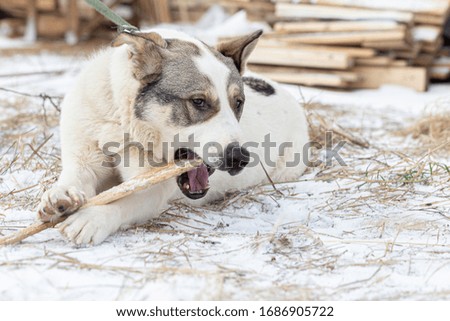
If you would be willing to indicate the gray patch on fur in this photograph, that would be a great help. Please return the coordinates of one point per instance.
(233, 78)
(179, 82)
(236, 93)
(259, 86)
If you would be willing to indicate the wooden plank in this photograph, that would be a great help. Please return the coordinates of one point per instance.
(436, 7)
(157, 11)
(345, 75)
(162, 11)
(400, 63)
(374, 61)
(381, 61)
(387, 45)
(428, 19)
(73, 23)
(85, 11)
(300, 58)
(433, 48)
(411, 53)
(184, 10)
(354, 52)
(41, 5)
(357, 77)
(423, 59)
(373, 77)
(247, 5)
(345, 38)
(339, 13)
(334, 26)
(308, 79)
(51, 26)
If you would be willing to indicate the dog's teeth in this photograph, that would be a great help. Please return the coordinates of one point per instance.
(187, 186)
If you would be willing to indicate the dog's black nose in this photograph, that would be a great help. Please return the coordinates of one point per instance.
(234, 159)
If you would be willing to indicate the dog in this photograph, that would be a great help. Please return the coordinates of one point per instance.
(150, 90)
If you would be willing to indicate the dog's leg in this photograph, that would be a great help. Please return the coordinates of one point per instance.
(78, 181)
(94, 224)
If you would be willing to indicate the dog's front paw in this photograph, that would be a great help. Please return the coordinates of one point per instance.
(60, 201)
(90, 226)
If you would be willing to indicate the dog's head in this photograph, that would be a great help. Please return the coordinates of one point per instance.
(192, 95)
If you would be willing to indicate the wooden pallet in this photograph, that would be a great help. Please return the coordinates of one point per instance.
(322, 42)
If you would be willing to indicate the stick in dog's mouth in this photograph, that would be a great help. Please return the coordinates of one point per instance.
(195, 183)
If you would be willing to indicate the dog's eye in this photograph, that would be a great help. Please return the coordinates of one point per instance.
(198, 102)
(239, 104)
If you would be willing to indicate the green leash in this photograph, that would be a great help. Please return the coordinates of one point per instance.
(122, 25)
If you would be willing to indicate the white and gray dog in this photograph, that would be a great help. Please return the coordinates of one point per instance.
(157, 96)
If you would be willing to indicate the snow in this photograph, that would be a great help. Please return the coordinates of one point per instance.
(426, 33)
(12, 43)
(386, 97)
(331, 236)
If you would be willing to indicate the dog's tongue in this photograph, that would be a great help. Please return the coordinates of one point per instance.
(198, 178)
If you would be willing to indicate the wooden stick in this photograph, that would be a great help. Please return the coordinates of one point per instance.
(154, 176)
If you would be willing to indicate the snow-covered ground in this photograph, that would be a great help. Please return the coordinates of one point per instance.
(377, 228)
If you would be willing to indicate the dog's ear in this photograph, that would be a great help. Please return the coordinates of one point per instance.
(144, 50)
(239, 49)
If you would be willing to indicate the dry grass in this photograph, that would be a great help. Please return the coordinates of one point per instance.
(433, 131)
(27, 144)
(319, 127)
(417, 168)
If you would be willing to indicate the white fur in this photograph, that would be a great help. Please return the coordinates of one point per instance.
(99, 109)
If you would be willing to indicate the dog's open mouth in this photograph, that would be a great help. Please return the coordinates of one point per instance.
(195, 183)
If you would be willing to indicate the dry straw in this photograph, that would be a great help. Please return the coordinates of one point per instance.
(432, 129)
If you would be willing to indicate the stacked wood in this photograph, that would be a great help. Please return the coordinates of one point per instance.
(192, 10)
(154, 11)
(18, 7)
(72, 19)
(355, 43)
(257, 10)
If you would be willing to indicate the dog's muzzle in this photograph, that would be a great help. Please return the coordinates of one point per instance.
(195, 183)
(234, 159)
